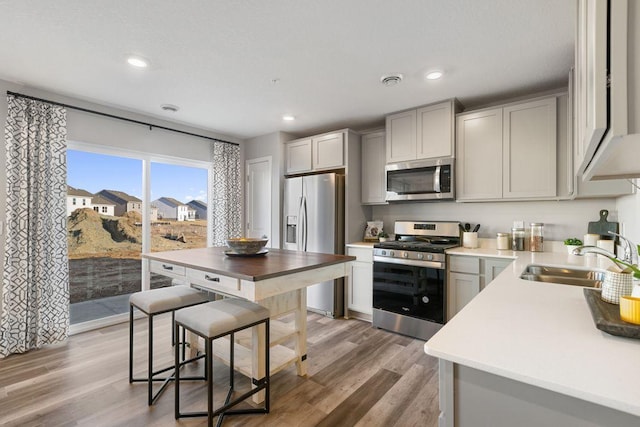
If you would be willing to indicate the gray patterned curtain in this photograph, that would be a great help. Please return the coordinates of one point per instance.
(225, 198)
(35, 284)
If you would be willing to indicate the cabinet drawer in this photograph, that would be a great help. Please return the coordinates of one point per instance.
(361, 254)
(464, 264)
(166, 268)
(213, 281)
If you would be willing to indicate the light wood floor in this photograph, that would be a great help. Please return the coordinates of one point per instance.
(358, 376)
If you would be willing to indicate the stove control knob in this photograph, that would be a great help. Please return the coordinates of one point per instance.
(430, 257)
(391, 253)
(420, 256)
(383, 252)
(405, 254)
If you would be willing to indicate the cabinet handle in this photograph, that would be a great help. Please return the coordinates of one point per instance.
(211, 279)
(167, 267)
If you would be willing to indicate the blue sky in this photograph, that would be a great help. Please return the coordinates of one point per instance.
(95, 172)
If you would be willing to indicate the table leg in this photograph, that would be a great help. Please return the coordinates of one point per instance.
(257, 359)
(301, 327)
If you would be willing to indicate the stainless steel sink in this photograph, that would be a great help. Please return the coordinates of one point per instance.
(563, 276)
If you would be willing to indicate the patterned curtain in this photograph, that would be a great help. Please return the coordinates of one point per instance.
(35, 292)
(225, 199)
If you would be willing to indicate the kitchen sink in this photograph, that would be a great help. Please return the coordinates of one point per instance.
(563, 276)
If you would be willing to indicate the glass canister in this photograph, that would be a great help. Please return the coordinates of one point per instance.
(536, 240)
(517, 239)
(502, 241)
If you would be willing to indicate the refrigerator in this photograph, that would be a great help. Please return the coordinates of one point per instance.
(314, 222)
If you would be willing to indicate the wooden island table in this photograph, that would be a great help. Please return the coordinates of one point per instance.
(277, 281)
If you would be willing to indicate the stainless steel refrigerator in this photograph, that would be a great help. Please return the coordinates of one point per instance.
(314, 222)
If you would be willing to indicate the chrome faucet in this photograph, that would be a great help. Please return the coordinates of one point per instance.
(629, 256)
(581, 250)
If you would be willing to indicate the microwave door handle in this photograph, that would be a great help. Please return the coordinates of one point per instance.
(436, 180)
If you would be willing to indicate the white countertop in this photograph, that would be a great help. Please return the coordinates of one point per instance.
(368, 245)
(542, 334)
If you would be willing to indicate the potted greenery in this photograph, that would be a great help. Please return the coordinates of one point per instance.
(383, 236)
(572, 243)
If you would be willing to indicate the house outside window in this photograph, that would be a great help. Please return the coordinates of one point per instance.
(73, 201)
(104, 209)
(84, 202)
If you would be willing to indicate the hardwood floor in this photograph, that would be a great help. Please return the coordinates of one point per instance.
(358, 376)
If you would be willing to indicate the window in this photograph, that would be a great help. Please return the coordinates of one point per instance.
(84, 202)
(104, 209)
(73, 201)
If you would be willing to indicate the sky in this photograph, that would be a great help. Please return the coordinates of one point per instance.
(94, 172)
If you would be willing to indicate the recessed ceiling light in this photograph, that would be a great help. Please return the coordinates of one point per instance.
(137, 61)
(391, 79)
(170, 107)
(288, 118)
(434, 75)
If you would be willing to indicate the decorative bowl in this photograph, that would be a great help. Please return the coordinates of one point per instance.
(246, 245)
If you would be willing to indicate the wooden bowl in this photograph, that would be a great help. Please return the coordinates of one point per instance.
(246, 245)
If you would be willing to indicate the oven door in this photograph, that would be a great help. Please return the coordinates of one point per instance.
(410, 290)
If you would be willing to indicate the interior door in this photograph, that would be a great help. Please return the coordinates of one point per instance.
(259, 198)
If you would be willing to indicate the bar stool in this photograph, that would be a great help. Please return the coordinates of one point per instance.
(214, 320)
(152, 303)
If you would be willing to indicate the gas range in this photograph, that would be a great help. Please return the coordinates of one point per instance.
(419, 241)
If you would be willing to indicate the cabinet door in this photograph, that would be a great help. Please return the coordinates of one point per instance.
(434, 130)
(328, 151)
(401, 136)
(298, 156)
(529, 146)
(462, 289)
(374, 184)
(360, 293)
(493, 267)
(479, 148)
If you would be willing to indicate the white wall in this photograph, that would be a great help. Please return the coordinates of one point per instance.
(271, 145)
(562, 219)
(629, 212)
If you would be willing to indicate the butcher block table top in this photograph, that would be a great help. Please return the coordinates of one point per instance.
(278, 262)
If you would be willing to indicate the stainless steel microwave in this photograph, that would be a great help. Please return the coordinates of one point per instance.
(420, 180)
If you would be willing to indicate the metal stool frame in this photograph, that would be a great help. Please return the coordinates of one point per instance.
(151, 374)
(262, 384)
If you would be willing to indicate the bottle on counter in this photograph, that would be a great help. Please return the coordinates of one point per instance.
(517, 239)
(536, 240)
(502, 241)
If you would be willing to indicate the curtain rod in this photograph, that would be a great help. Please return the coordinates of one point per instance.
(150, 125)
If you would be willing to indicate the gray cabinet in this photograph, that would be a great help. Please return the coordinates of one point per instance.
(360, 283)
(423, 133)
(467, 276)
(508, 152)
(373, 175)
(321, 152)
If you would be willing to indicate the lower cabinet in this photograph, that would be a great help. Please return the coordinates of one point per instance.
(360, 284)
(467, 276)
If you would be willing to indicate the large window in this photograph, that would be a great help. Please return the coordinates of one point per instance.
(106, 230)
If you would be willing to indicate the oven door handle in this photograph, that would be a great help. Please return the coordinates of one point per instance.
(426, 264)
(436, 180)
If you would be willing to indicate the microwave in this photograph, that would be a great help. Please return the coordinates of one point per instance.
(420, 180)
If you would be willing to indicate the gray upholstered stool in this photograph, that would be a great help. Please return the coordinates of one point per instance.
(214, 320)
(152, 303)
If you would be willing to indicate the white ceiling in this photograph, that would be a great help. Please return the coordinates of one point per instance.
(216, 59)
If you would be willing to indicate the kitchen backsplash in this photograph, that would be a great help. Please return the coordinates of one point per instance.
(561, 219)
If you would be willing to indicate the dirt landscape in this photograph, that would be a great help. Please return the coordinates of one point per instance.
(104, 251)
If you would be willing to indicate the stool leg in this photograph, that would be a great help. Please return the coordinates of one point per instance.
(267, 368)
(173, 332)
(177, 376)
(231, 358)
(130, 343)
(184, 343)
(209, 363)
(150, 349)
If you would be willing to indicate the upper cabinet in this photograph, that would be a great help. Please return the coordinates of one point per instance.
(320, 152)
(373, 181)
(508, 152)
(607, 91)
(423, 133)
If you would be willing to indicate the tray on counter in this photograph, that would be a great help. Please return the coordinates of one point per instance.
(606, 316)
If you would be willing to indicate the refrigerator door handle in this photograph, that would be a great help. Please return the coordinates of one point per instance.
(304, 223)
(300, 226)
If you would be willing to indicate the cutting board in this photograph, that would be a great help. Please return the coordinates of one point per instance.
(602, 227)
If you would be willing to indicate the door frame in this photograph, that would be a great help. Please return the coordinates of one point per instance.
(248, 195)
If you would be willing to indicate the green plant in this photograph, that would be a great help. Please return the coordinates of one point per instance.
(383, 234)
(574, 241)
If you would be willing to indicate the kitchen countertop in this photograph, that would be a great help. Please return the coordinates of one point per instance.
(368, 245)
(542, 334)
